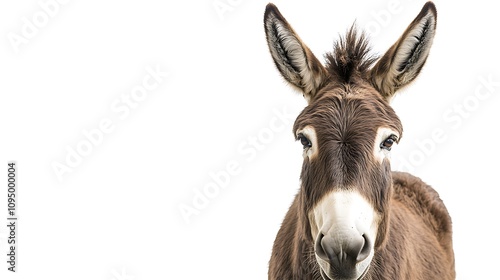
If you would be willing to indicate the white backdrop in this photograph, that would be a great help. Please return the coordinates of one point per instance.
(153, 139)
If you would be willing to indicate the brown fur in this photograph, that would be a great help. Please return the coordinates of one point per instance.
(418, 245)
(346, 107)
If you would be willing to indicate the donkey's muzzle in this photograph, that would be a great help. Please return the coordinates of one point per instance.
(343, 250)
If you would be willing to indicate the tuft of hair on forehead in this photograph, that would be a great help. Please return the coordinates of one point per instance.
(351, 56)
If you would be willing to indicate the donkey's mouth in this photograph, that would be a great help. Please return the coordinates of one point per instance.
(331, 277)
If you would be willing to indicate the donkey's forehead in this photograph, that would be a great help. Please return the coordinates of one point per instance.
(348, 107)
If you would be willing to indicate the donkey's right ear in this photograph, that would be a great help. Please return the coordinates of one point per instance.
(293, 58)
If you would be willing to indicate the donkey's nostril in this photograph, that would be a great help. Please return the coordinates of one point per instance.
(319, 248)
(365, 249)
(330, 249)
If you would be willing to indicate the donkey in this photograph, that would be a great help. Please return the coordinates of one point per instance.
(353, 218)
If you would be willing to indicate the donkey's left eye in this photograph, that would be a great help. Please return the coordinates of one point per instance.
(388, 142)
(304, 141)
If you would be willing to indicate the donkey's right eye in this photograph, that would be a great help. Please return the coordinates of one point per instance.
(304, 141)
(387, 144)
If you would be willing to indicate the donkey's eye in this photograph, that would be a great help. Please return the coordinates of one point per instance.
(304, 141)
(388, 142)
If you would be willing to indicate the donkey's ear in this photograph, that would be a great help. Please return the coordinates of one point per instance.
(403, 61)
(292, 57)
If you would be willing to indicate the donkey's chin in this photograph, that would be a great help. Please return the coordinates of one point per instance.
(357, 272)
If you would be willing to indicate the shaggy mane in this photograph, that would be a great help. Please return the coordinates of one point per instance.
(351, 55)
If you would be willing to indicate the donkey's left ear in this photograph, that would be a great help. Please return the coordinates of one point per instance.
(403, 61)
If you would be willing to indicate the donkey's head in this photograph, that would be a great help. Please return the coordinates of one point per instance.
(347, 130)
